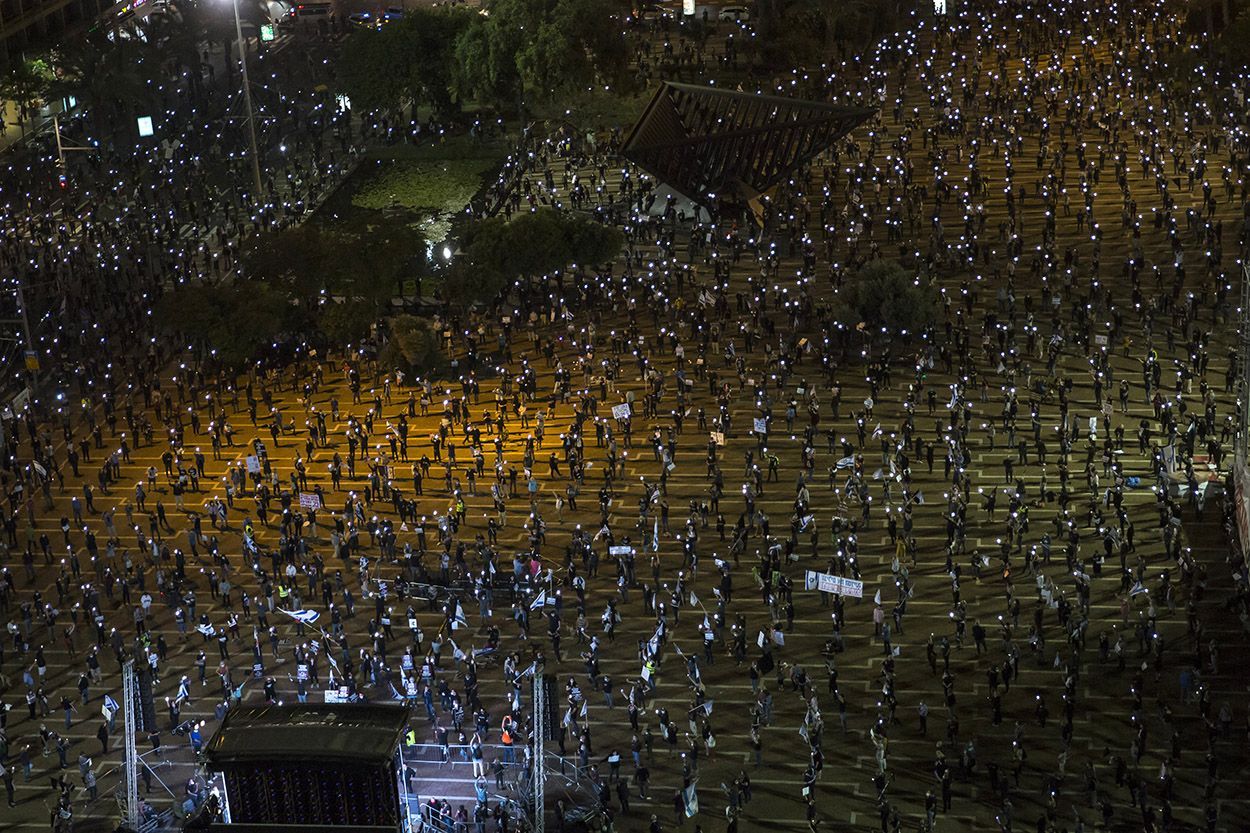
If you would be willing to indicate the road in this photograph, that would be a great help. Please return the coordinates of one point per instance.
(1104, 720)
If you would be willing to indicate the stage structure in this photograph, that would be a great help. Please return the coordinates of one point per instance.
(719, 146)
(360, 767)
(311, 767)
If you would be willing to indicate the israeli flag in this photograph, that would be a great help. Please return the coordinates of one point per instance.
(110, 707)
(539, 600)
(690, 797)
(305, 616)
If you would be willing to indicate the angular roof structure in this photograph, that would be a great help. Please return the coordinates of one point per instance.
(307, 733)
(709, 143)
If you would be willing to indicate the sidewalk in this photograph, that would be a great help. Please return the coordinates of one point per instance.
(13, 133)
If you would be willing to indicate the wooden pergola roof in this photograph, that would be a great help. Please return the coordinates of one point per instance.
(710, 143)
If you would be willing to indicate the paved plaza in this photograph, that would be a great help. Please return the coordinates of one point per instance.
(1052, 632)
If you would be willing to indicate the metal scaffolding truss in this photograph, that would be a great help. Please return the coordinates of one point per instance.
(711, 144)
(539, 774)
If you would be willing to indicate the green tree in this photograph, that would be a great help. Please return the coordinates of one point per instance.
(363, 260)
(485, 66)
(234, 324)
(346, 322)
(542, 49)
(888, 301)
(372, 70)
(592, 243)
(1233, 44)
(411, 61)
(376, 255)
(301, 258)
(414, 345)
(497, 251)
(466, 283)
(26, 84)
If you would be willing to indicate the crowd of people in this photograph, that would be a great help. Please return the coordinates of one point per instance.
(669, 447)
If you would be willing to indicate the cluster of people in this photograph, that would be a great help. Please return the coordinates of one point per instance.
(377, 530)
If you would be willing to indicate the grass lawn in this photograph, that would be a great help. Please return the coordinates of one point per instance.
(426, 184)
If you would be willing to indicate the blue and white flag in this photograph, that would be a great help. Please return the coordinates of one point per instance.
(110, 707)
(539, 600)
(690, 798)
(305, 616)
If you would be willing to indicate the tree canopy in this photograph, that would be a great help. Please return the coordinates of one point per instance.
(413, 345)
(1233, 44)
(497, 251)
(233, 323)
(346, 322)
(541, 49)
(410, 61)
(887, 300)
(26, 84)
(365, 260)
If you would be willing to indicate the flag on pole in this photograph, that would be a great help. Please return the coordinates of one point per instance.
(539, 600)
(694, 600)
(459, 620)
(305, 616)
(1138, 589)
(110, 707)
(690, 797)
(655, 535)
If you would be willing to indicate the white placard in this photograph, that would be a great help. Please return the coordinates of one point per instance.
(621, 411)
(826, 583)
(253, 464)
(761, 425)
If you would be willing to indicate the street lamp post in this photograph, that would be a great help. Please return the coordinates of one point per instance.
(247, 100)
